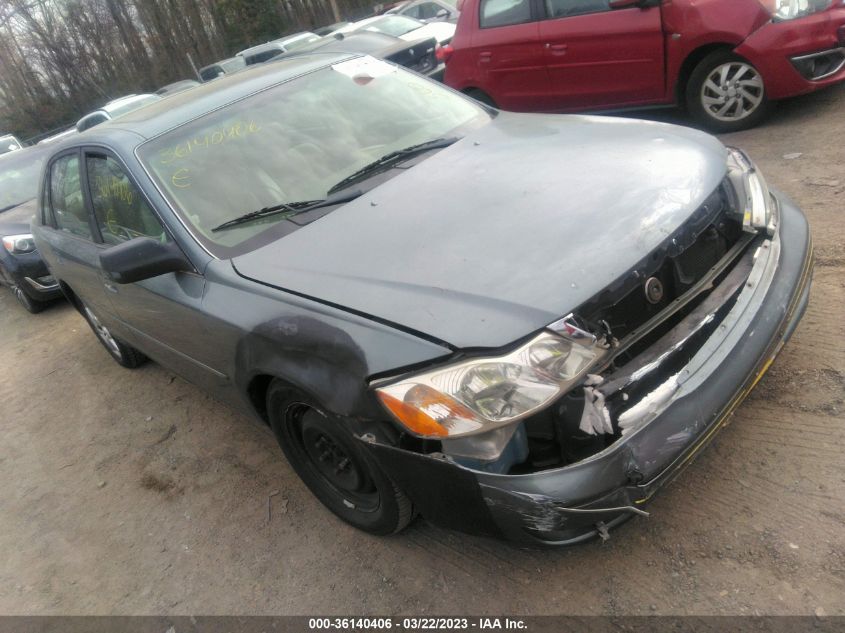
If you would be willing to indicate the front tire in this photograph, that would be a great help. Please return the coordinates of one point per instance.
(726, 93)
(29, 304)
(329, 460)
(124, 354)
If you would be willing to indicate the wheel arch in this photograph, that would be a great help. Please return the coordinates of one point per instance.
(692, 61)
(70, 295)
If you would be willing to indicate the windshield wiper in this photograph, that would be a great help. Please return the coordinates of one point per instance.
(391, 158)
(12, 206)
(292, 208)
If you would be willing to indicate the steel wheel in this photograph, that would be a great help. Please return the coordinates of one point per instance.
(333, 463)
(103, 333)
(732, 92)
(341, 470)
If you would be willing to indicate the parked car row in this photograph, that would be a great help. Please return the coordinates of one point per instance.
(8, 143)
(518, 325)
(403, 40)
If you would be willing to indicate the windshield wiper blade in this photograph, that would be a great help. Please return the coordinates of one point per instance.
(292, 208)
(391, 158)
(12, 206)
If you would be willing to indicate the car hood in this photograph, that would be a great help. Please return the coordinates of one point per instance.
(17, 220)
(505, 231)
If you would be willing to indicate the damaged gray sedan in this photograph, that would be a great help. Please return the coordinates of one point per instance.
(513, 325)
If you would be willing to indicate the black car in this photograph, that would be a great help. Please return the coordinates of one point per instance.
(514, 325)
(21, 267)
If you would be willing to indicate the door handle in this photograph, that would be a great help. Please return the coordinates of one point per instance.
(557, 49)
(485, 57)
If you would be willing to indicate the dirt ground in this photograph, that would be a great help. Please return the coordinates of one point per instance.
(135, 493)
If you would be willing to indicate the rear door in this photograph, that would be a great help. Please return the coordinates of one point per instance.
(598, 57)
(509, 59)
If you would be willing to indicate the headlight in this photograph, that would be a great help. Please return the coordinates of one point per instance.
(17, 244)
(483, 394)
(791, 9)
(755, 201)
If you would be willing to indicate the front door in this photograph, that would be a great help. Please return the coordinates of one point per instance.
(162, 315)
(598, 57)
(70, 236)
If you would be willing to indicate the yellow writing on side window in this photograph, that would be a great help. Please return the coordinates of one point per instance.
(115, 188)
(229, 132)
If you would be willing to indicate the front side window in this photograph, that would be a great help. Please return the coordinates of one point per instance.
(570, 8)
(122, 213)
(294, 142)
(496, 13)
(66, 198)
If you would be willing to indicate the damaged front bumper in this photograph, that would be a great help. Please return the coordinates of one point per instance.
(670, 402)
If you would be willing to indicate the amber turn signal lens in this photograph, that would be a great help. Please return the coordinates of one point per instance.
(416, 421)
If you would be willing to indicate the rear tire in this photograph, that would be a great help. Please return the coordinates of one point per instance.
(330, 461)
(726, 93)
(123, 353)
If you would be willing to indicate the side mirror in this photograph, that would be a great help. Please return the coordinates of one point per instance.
(443, 14)
(142, 258)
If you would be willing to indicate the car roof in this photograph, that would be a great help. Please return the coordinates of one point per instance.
(156, 118)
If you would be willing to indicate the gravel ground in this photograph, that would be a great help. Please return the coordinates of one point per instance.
(136, 493)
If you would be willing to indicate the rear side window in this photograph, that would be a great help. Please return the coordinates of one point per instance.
(259, 58)
(122, 213)
(423, 11)
(504, 13)
(570, 8)
(66, 197)
(208, 74)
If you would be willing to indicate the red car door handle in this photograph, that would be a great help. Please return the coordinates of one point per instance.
(485, 57)
(557, 49)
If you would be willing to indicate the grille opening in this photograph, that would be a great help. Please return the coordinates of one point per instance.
(554, 437)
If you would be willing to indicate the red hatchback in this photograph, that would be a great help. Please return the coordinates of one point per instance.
(726, 60)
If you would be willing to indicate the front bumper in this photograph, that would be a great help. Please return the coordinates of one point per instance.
(568, 505)
(437, 72)
(779, 50)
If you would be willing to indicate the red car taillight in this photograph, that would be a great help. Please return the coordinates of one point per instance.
(443, 53)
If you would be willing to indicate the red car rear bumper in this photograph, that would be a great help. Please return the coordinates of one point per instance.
(773, 48)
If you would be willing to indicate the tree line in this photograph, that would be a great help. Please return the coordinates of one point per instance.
(60, 59)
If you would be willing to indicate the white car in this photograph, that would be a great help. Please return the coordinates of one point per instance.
(9, 143)
(114, 109)
(265, 52)
(404, 27)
